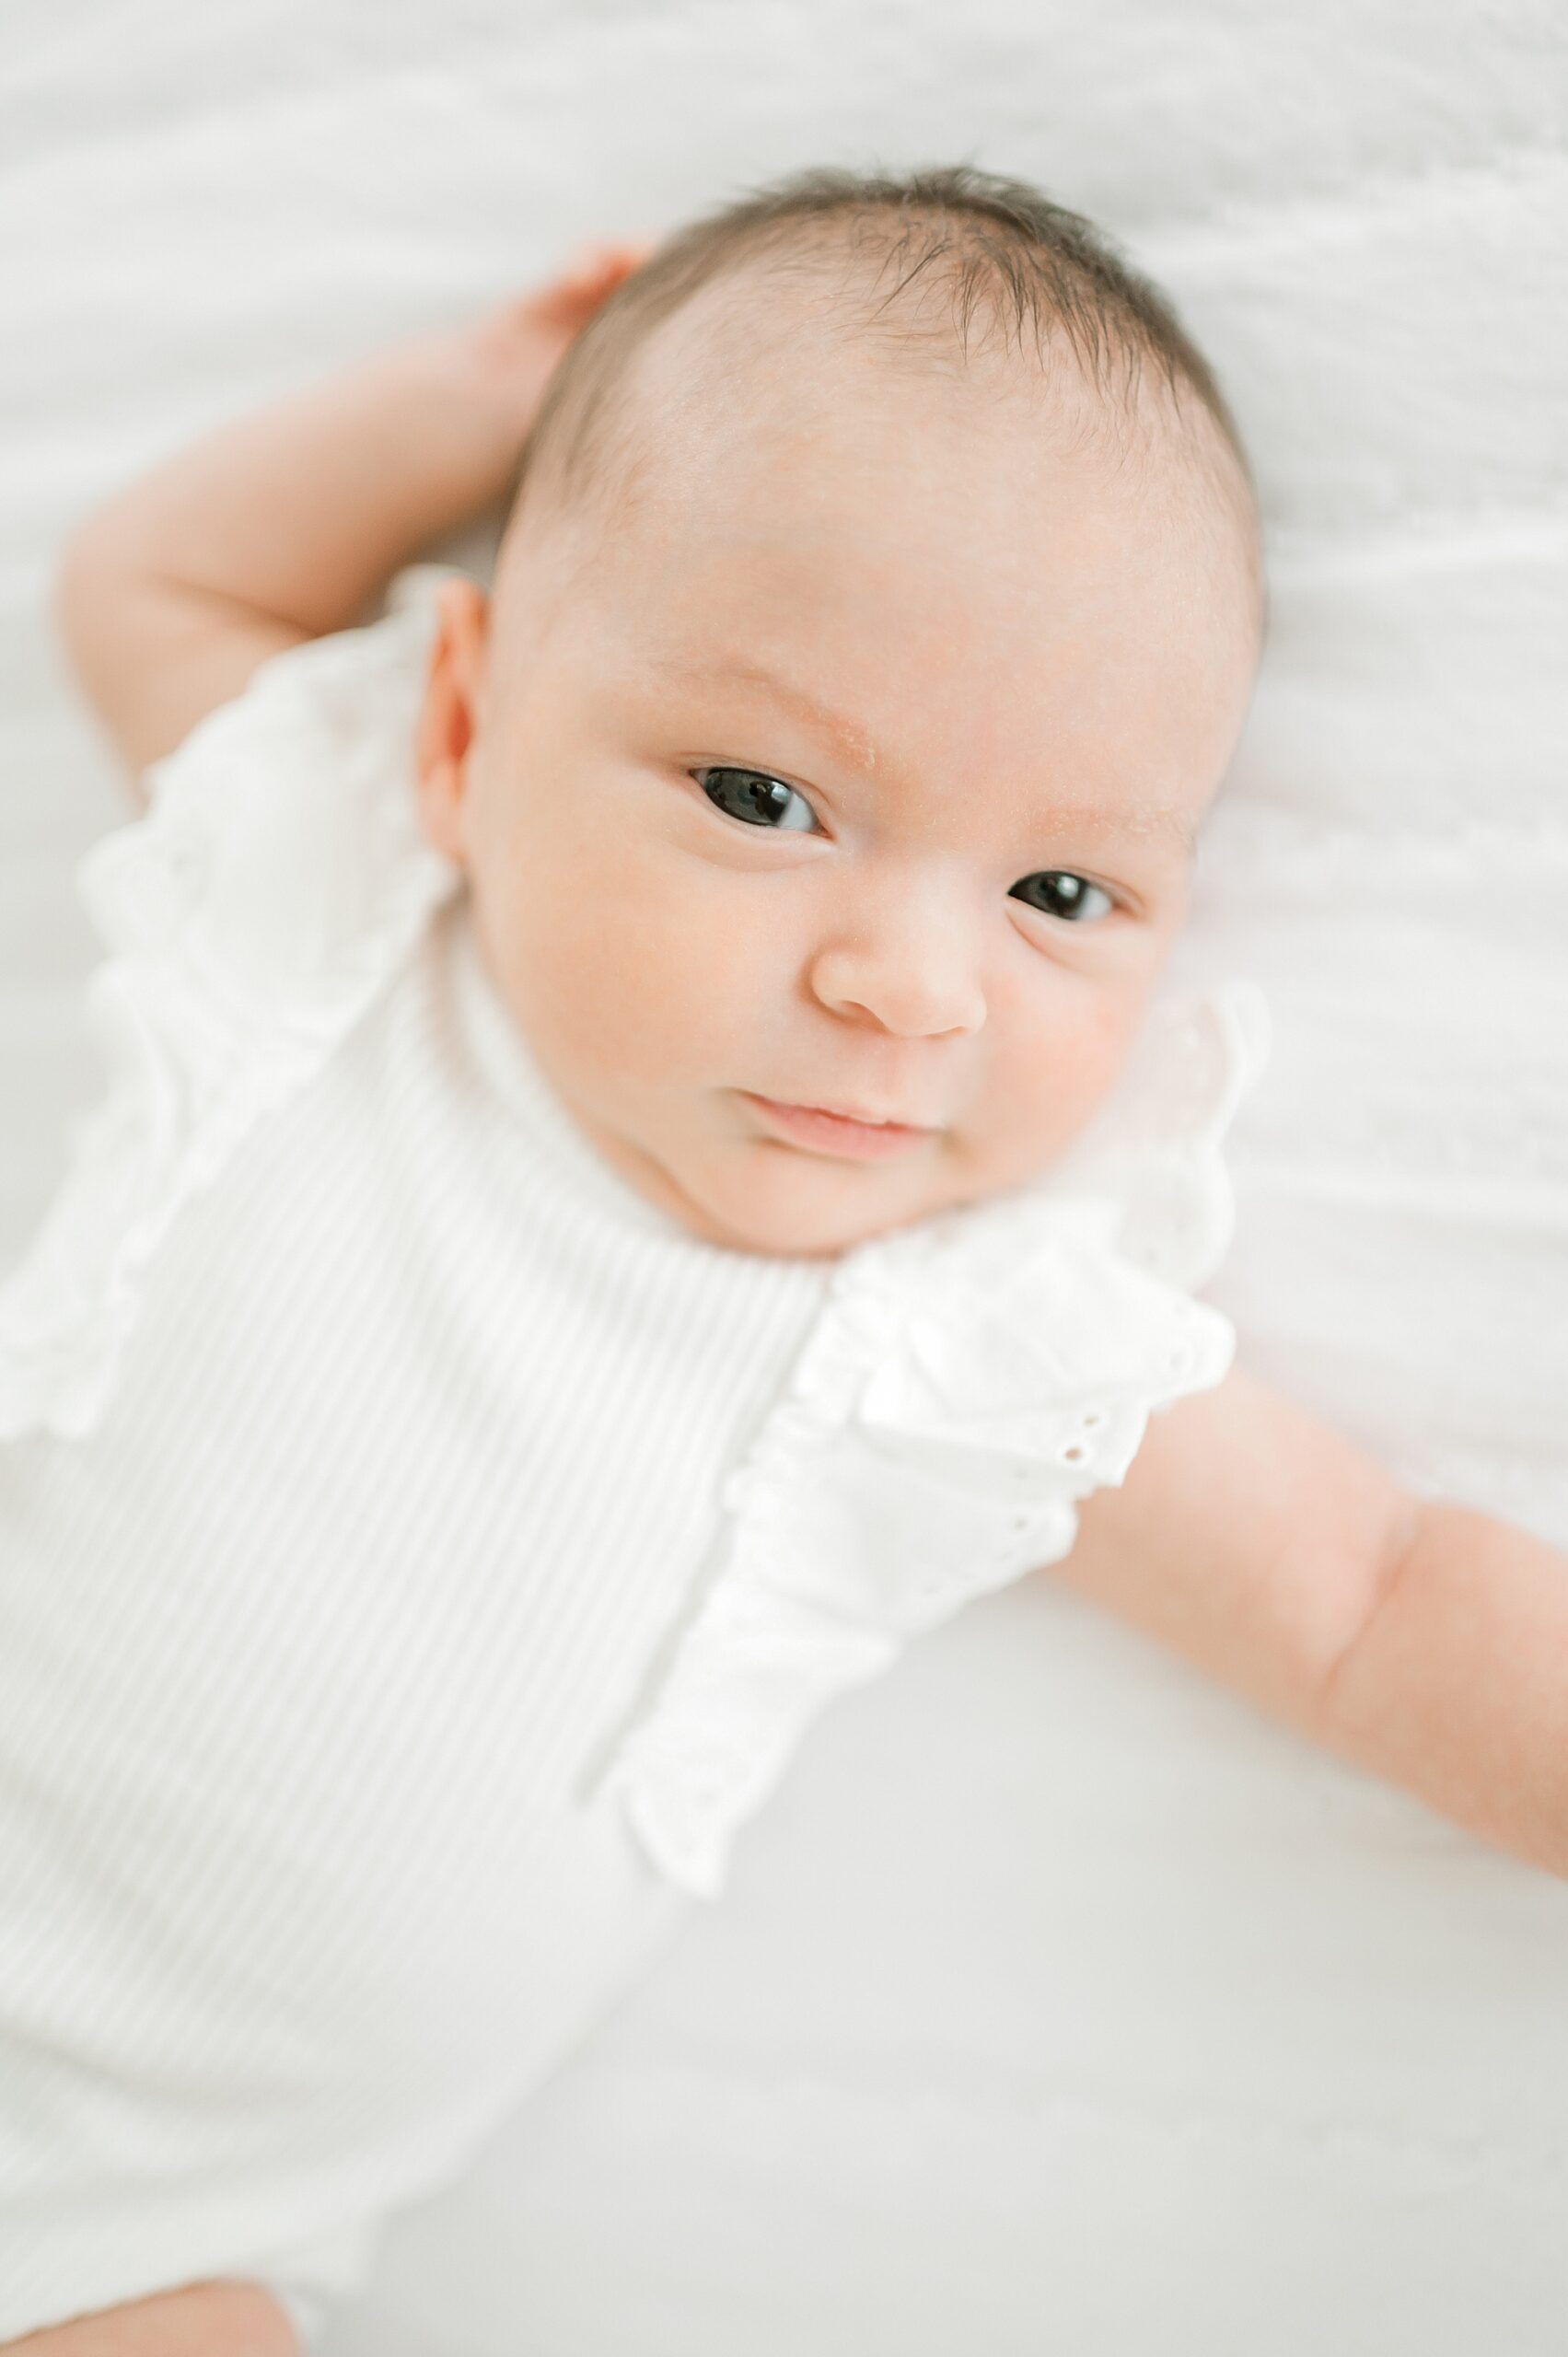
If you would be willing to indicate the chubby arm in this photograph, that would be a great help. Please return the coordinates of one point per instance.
(283, 525)
(1422, 1641)
(201, 2320)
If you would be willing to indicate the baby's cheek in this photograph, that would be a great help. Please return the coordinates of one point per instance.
(1054, 1077)
(708, 975)
(633, 966)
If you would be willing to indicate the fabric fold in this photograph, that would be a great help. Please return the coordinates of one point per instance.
(969, 1380)
(252, 915)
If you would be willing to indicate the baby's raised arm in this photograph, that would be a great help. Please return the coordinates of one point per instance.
(283, 525)
(1424, 1641)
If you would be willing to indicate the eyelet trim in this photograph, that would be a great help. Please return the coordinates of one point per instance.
(968, 1380)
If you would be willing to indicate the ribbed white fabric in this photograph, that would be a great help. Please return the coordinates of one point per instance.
(415, 1447)
(419, 1553)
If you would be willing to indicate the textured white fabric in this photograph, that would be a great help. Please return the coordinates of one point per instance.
(398, 1511)
(1102, 1961)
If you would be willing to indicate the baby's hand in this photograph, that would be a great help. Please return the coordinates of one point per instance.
(514, 348)
(282, 525)
(217, 2319)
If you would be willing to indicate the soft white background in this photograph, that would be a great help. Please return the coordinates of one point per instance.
(1058, 2001)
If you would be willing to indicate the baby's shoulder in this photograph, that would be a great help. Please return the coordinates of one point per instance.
(274, 885)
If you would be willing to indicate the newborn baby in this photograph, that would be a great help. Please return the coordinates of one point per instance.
(652, 1164)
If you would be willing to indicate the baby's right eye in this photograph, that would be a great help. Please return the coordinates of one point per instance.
(757, 799)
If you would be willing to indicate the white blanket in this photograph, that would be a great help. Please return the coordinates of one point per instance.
(1060, 2003)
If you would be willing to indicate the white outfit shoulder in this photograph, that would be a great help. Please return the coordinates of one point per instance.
(418, 1554)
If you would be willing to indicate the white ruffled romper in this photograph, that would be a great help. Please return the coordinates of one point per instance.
(418, 1554)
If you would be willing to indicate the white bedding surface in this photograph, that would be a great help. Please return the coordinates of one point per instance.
(1059, 2000)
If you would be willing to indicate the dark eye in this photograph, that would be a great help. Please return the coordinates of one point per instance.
(758, 799)
(1057, 893)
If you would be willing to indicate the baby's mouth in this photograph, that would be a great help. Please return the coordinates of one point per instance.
(835, 1133)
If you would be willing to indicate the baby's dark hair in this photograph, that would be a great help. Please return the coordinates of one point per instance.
(1005, 255)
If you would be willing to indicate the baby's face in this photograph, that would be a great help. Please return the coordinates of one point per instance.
(856, 767)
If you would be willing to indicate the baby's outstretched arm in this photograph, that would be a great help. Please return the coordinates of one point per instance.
(1420, 1639)
(203, 2320)
(283, 526)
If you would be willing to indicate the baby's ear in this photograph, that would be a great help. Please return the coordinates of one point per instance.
(449, 716)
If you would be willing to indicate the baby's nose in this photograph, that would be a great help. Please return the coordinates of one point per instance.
(910, 963)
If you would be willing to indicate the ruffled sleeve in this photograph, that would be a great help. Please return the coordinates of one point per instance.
(252, 915)
(968, 1380)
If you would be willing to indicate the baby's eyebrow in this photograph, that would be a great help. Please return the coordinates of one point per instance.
(835, 725)
(1153, 818)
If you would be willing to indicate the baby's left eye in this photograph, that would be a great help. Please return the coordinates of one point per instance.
(1060, 893)
(757, 799)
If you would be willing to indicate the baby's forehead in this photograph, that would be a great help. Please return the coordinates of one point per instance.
(764, 430)
(748, 354)
(759, 367)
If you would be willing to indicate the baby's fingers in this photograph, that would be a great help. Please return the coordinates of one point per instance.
(590, 280)
(513, 348)
(594, 264)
